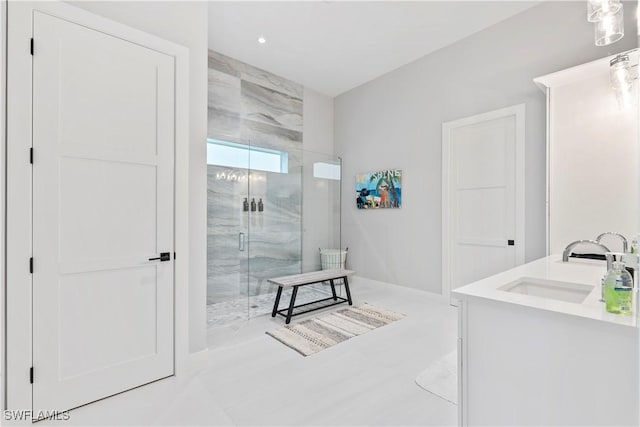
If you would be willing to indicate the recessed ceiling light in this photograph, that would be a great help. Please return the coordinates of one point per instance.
(262, 40)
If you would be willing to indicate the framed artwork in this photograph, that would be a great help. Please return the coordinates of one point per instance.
(379, 189)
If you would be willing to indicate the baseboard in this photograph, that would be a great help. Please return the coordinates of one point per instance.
(434, 295)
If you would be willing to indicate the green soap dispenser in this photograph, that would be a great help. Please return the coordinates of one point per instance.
(618, 290)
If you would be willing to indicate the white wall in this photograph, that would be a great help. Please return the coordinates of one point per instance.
(395, 122)
(319, 225)
(184, 23)
(317, 113)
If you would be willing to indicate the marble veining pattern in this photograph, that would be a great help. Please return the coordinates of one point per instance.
(227, 125)
(251, 106)
(228, 65)
(223, 91)
(238, 90)
(273, 238)
(224, 64)
(264, 134)
(262, 104)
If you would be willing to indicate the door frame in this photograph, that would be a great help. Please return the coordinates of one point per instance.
(519, 112)
(17, 194)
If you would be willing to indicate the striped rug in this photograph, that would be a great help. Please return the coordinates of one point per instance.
(313, 335)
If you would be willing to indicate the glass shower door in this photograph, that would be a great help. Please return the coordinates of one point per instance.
(227, 231)
(275, 190)
(295, 215)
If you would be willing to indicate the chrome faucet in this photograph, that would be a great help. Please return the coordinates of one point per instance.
(570, 246)
(625, 244)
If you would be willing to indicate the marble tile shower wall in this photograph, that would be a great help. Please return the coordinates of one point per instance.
(249, 105)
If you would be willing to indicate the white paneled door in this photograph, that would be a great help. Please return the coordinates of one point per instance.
(483, 205)
(103, 190)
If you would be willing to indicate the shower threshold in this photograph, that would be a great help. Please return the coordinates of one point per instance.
(242, 308)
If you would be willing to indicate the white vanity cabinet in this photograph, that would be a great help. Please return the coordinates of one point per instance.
(527, 360)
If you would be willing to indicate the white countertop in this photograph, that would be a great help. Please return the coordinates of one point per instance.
(585, 272)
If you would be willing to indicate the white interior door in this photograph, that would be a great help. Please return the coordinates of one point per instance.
(484, 201)
(103, 144)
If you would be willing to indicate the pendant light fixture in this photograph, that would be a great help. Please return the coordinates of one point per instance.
(610, 28)
(608, 19)
(596, 9)
(622, 79)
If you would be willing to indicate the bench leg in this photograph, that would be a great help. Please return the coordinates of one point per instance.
(292, 303)
(275, 305)
(346, 288)
(333, 290)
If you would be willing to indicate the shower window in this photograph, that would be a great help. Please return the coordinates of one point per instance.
(229, 154)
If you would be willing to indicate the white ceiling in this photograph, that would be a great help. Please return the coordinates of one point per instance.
(334, 46)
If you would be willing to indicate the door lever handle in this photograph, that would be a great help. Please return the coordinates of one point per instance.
(164, 256)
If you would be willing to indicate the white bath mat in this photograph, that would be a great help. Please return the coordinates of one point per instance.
(441, 377)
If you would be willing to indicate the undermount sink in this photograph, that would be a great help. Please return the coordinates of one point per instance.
(549, 289)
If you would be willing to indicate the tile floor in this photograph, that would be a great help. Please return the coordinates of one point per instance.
(252, 379)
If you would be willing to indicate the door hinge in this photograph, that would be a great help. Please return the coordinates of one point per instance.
(31, 375)
(511, 242)
(174, 256)
(31, 265)
(31, 155)
(31, 46)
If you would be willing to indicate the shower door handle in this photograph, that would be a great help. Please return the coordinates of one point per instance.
(241, 242)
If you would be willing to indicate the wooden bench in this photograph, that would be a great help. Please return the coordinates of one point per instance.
(297, 280)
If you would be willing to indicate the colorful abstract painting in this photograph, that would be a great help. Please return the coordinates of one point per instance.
(379, 190)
